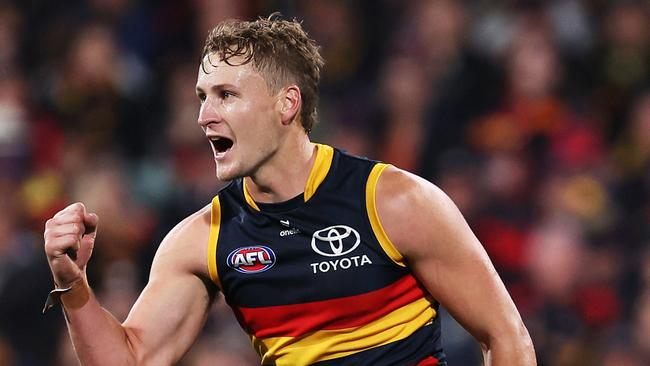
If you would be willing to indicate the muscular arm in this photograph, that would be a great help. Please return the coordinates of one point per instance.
(167, 316)
(438, 245)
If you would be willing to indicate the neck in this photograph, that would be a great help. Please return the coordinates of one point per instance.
(285, 175)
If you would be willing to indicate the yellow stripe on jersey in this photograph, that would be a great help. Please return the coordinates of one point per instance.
(215, 224)
(371, 206)
(322, 164)
(330, 344)
(247, 196)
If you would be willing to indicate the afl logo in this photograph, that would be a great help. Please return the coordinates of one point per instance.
(253, 259)
(335, 241)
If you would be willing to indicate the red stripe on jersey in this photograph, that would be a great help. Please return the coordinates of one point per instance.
(429, 361)
(352, 311)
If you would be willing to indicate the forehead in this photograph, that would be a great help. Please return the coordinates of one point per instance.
(213, 72)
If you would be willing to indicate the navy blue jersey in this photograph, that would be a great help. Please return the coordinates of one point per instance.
(315, 279)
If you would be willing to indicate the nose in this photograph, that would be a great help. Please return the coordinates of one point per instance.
(209, 113)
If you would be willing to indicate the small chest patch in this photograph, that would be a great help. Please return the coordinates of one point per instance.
(253, 259)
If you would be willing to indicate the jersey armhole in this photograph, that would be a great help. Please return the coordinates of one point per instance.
(213, 238)
(371, 207)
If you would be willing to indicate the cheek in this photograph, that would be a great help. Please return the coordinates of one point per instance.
(230, 109)
(240, 112)
(256, 114)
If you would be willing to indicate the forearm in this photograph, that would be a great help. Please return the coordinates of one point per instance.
(98, 338)
(152, 334)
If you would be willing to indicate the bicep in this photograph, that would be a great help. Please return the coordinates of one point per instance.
(459, 274)
(168, 316)
(172, 309)
(445, 255)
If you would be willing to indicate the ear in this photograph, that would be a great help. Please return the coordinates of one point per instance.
(290, 103)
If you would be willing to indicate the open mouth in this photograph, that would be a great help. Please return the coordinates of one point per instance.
(221, 144)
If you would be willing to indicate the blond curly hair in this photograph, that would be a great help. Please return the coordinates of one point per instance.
(280, 50)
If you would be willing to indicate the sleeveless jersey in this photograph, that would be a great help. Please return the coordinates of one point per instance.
(315, 280)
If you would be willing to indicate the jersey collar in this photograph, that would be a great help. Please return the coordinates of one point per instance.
(322, 164)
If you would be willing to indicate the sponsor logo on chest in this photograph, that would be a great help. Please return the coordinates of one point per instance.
(290, 230)
(337, 242)
(339, 245)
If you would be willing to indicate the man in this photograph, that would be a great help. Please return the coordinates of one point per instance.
(325, 258)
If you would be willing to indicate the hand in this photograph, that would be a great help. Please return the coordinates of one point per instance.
(69, 241)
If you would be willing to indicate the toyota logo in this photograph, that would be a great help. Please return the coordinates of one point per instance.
(335, 241)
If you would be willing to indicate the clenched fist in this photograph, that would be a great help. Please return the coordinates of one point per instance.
(69, 240)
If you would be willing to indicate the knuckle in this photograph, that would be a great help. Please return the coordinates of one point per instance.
(48, 245)
(72, 208)
(49, 233)
(77, 217)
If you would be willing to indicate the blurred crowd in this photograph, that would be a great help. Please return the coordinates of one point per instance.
(534, 116)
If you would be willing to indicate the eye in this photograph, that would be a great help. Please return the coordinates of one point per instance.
(201, 97)
(226, 94)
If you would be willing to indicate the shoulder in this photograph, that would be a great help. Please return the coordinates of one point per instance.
(413, 211)
(192, 225)
(401, 191)
(184, 247)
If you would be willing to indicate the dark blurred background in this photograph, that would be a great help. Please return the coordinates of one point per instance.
(534, 116)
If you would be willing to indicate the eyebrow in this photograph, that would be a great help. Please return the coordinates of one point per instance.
(217, 87)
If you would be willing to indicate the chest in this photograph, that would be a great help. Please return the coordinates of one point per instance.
(320, 251)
